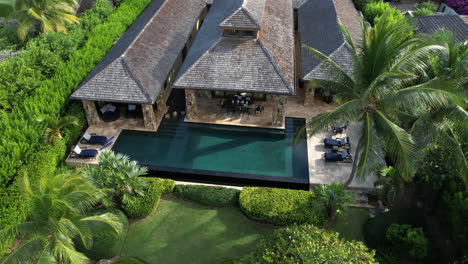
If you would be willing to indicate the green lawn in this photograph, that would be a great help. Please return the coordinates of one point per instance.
(186, 232)
(350, 225)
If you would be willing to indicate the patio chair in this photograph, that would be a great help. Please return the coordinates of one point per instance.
(260, 109)
(340, 128)
(84, 153)
(337, 157)
(338, 142)
(93, 139)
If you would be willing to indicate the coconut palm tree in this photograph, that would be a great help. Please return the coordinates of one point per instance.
(379, 93)
(51, 15)
(335, 198)
(119, 176)
(58, 213)
(446, 124)
(55, 125)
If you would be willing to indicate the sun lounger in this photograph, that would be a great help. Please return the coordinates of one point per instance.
(93, 139)
(335, 157)
(84, 153)
(330, 142)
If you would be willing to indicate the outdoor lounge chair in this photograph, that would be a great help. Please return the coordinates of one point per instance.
(339, 129)
(335, 157)
(84, 153)
(330, 142)
(93, 139)
(131, 111)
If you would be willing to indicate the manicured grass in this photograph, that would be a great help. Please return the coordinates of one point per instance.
(351, 224)
(185, 232)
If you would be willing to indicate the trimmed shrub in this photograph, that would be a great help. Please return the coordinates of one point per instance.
(208, 195)
(308, 244)
(144, 206)
(106, 243)
(282, 206)
(13, 210)
(408, 240)
(375, 228)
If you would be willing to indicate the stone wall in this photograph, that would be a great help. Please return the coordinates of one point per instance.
(149, 116)
(191, 104)
(91, 112)
(309, 92)
(279, 102)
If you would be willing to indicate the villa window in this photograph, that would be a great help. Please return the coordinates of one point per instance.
(231, 33)
(248, 34)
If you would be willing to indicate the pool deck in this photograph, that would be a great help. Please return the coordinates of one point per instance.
(320, 172)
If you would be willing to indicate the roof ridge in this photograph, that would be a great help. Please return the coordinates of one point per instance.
(249, 15)
(138, 83)
(264, 49)
(308, 75)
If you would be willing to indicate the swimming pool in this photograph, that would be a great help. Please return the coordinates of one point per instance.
(220, 150)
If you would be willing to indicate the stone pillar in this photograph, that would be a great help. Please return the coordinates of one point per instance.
(91, 112)
(191, 104)
(149, 117)
(279, 102)
(309, 92)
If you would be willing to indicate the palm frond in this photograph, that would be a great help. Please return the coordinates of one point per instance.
(399, 145)
(370, 149)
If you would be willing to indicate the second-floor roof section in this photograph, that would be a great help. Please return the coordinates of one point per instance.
(246, 21)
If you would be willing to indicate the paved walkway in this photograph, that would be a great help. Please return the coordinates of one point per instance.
(349, 16)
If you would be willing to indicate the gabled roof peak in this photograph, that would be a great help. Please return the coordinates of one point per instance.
(240, 19)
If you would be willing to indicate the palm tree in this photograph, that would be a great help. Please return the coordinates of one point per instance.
(446, 125)
(57, 215)
(55, 125)
(378, 94)
(118, 176)
(335, 198)
(52, 15)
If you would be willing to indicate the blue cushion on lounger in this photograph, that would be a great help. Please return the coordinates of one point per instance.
(331, 142)
(88, 153)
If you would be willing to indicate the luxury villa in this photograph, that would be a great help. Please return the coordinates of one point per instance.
(220, 88)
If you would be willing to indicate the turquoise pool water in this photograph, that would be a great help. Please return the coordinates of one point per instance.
(219, 148)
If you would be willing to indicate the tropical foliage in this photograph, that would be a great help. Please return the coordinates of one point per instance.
(58, 213)
(382, 89)
(408, 240)
(308, 244)
(335, 198)
(52, 15)
(118, 176)
(55, 125)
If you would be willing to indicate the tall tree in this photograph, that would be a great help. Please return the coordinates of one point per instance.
(54, 126)
(379, 93)
(51, 15)
(59, 209)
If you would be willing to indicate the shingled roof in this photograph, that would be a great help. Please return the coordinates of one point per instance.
(432, 24)
(262, 65)
(135, 69)
(318, 28)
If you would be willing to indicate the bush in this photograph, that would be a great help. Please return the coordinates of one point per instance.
(428, 5)
(308, 244)
(408, 239)
(106, 243)
(13, 210)
(361, 4)
(422, 12)
(128, 260)
(21, 134)
(375, 228)
(282, 206)
(374, 10)
(144, 206)
(208, 195)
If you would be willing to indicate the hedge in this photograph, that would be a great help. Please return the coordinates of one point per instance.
(208, 195)
(106, 243)
(308, 244)
(20, 132)
(282, 206)
(146, 205)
